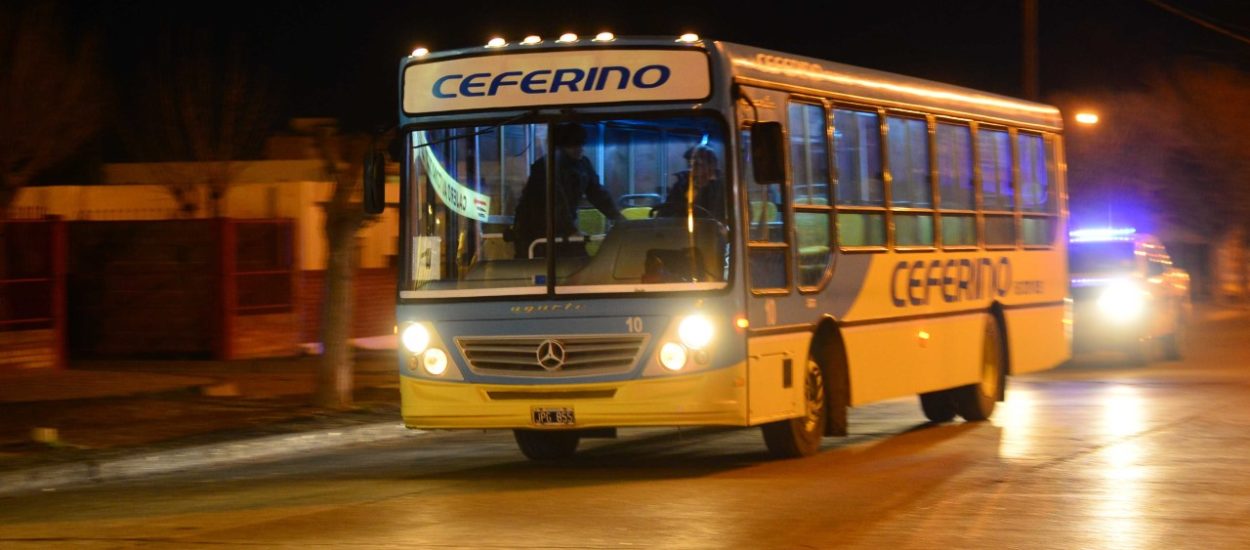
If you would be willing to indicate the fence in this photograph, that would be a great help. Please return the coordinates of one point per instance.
(32, 293)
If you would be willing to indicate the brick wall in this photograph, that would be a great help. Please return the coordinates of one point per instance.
(375, 303)
(268, 335)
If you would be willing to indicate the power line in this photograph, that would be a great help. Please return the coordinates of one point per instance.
(1198, 20)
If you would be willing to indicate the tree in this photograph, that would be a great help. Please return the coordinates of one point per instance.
(202, 102)
(49, 102)
(1172, 153)
(344, 217)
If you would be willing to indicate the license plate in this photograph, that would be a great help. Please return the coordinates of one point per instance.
(554, 416)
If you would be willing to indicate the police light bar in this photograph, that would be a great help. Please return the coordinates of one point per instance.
(1101, 234)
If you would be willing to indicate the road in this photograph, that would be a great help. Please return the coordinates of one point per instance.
(1095, 454)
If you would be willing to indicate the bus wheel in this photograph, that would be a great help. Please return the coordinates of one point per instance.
(800, 436)
(938, 406)
(976, 401)
(546, 445)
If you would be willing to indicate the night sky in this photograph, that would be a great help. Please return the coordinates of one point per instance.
(340, 59)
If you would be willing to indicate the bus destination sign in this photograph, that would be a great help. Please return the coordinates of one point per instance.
(556, 78)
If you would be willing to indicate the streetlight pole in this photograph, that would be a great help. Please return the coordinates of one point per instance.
(1028, 10)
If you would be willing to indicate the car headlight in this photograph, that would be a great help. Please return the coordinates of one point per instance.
(415, 338)
(695, 332)
(1122, 301)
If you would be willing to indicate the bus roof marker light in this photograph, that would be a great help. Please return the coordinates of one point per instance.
(567, 38)
(688, 38)
(532, 40)
(420, 52)
(604, 37)
(497, 42)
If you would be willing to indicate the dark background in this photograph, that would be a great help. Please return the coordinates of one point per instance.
(340, 59)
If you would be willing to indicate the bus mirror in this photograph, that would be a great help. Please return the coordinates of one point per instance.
(375, 182)
(768, 153)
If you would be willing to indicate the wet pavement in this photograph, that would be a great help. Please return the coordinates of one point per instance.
(1099, 453)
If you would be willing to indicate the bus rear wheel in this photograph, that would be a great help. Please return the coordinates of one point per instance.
(546, 445)
(938, 406)
(976, 401)
(798, 437)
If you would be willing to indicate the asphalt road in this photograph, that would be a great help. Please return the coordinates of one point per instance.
(1095, 454)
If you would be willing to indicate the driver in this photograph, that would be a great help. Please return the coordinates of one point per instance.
(700, 186)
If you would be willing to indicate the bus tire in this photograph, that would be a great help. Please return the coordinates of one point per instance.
(975, 402)
(546, 445)
(938, 406)
(799, 437)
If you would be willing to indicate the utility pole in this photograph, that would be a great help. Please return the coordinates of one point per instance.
(1028, 10)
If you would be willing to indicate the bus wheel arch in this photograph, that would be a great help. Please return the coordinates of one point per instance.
(975, 402)
(829, 348)
(998, 315)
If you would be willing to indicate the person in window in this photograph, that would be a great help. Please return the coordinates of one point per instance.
(575, 178)
(700, 186)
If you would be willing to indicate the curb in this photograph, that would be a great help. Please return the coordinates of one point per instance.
(42, 478)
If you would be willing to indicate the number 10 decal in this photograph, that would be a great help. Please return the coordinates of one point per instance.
(634, 324)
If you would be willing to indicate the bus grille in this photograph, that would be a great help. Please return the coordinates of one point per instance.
(583, 355)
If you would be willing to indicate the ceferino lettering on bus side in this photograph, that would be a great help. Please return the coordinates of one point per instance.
(914, 283)
(551, 81)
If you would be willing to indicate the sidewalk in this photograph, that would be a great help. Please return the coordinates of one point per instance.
(103, 420)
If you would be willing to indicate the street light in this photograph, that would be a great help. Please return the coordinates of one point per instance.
(1087, 118)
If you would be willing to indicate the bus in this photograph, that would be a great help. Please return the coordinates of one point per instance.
(874, 236)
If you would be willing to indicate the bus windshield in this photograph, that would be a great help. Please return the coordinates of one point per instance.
(639, 205)
(1101, 257)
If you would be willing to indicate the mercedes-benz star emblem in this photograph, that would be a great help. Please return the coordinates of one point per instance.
(551, 355)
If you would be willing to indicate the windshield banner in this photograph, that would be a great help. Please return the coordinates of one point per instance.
(556, 78)
(455, 195)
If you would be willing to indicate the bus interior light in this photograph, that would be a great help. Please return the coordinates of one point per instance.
(415, 338)
(695, 332)
(434, 361)
(673, 356)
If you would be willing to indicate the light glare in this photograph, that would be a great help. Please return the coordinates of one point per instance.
(695, 331)
(1087, 118)
(416, 338)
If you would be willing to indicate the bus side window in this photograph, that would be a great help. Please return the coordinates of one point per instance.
(767, 253)
(861, 183)
(997, 188)
(809, 162)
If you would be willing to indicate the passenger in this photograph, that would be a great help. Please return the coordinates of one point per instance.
(701, 186)
(575, 178)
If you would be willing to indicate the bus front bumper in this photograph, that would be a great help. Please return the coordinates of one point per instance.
(712, 398)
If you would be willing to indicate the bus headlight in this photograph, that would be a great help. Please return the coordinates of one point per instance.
(415, 338)
(695, 331)
(434, 361)
(673, 356)
(1122, 301)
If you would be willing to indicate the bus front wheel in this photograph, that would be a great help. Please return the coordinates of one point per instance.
(546, 445)
(801, 436)
(976, 401)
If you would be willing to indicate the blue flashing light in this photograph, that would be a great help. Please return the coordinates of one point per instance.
(1101, 234)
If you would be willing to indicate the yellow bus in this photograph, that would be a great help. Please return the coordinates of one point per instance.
(615, 232)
